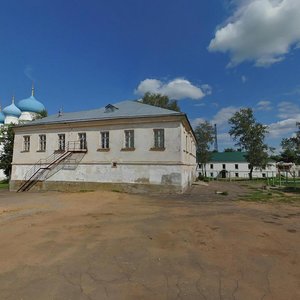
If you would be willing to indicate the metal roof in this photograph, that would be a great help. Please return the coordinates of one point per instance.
(235, 156)
(124, 109)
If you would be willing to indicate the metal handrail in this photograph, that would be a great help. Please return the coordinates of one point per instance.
(71, 146)
(76, 146)
(40, 163)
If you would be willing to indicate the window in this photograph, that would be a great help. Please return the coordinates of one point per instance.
(26, 140)
(159, 138)
(105, 140)
(61, 142)
(129, 139)
(82, 140)
(224, 166)
(236, 166)
(236, 174)
(211, 174)
(42, 142)
(264, 175)
(211, 166)
(249, 166)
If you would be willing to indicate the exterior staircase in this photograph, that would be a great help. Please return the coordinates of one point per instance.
(38, 171)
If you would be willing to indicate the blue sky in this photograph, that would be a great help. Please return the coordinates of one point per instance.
(213, 56)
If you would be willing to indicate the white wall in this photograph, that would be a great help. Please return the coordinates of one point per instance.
(242, 171)
(176, 165)
(144, 141)
(11, 120)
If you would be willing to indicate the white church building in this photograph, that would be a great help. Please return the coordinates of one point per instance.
(127, 146)
(24, 111)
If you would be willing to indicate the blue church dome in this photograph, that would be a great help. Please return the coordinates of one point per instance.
(12, 110)
(31, 105)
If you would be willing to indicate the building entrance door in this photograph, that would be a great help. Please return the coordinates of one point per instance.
(223, 173)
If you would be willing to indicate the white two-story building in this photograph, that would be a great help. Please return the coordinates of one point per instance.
(126, 146)
(235, 166)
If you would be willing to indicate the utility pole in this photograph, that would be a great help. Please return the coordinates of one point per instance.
(216, 139)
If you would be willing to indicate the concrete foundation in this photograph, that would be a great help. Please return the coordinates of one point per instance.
(69, 186)
(123, 177)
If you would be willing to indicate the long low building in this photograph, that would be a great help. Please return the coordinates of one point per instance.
(234, 165)
(126, 146)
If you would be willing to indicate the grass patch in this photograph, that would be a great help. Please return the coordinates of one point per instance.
(274, 195)
(4, 185)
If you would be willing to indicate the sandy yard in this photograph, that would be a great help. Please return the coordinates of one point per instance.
(108, 245)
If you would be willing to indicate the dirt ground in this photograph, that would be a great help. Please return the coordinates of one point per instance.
(108, 245)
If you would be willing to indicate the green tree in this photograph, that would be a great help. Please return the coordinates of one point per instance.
(7, 142)
(160, 101)
(204, 133)
(249, 136)
(291, 148)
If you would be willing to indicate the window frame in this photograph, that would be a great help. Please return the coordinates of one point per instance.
(129, 139)
(42, 143)
(104, 140)
(159, 138)
(82, 141)
(61, 142)
(26, 143)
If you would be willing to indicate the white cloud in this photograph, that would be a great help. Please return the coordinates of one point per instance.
(244, 78)
(176, 89)
(220, 118)
(264, 105)
(207, 89)
(263, 31)
(224, 139)
(224, 114)
(288, 110)
(196, 121)
(282, 128)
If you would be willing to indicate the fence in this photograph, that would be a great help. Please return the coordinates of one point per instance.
(268, 177)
